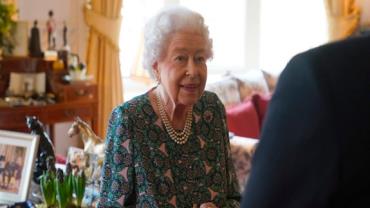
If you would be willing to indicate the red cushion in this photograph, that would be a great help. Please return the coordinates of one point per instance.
(261, 104)
(243, 120)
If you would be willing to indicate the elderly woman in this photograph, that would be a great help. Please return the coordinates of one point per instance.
(170, 147)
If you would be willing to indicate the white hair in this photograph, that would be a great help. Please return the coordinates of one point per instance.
(158, 31)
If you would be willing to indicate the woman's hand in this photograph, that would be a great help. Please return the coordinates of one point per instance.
(208, 205)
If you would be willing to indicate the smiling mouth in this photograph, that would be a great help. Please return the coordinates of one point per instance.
(190, 87)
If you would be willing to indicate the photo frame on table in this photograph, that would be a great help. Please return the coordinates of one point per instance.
(73, 59)
(77, 158)
(22, 83)
(17, 156)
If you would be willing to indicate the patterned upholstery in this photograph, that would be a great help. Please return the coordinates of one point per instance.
(227, 90)
(252, 82)
(233, 89)
(242, 150)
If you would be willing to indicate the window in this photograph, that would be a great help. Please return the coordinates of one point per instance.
(134, 15)
(226, 23)
(289, 27)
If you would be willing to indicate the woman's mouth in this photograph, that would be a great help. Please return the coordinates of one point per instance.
(190, 87)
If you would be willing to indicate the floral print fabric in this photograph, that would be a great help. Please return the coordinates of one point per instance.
(143, 167)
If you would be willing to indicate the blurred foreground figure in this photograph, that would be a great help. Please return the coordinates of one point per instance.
(315, 144)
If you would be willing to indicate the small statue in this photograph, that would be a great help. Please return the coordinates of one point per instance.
(40, 166)
(65, 30)
(92, 143)
(34, 45)
(45, 149)
(51, 28)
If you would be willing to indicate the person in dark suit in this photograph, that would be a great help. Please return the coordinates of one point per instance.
(315, 144)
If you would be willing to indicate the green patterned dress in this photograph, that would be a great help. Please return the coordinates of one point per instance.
(143, 167)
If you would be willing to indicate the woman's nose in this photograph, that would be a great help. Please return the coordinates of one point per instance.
(192, 69)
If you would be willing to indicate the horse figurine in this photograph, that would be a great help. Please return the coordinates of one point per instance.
(92, 143)
(45, 149)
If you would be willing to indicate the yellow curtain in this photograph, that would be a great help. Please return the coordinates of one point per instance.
(14, 2)
(10, 2)
(104, 20)
(343, 18)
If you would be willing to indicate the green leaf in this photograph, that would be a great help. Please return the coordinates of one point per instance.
(79, 184)
(69, 188)
(7, 24)
(47, 188)
(60, 187)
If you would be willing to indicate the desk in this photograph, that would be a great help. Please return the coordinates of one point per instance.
(13, 118)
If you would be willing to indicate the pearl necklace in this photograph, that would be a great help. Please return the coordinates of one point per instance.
(178, 137)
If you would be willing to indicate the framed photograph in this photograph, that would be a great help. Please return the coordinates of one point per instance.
(73, 59)
(77, 158)
(21, 84)
(17, 158)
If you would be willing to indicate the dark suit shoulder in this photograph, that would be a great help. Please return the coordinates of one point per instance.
(339, 55)
(342, 66)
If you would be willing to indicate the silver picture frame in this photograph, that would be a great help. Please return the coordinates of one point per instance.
(17, 158)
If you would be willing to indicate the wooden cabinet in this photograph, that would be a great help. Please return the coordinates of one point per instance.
(73, 99)
(77, 91)
(27, 65)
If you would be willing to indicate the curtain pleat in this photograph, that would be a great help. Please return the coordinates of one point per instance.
(343, 18)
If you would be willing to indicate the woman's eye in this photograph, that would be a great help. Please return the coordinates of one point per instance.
(200, 59)
(180, 58)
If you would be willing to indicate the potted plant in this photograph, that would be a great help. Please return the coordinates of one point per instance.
(61, 190)
(7, 12)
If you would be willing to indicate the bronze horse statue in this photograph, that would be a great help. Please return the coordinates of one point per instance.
(93, 144)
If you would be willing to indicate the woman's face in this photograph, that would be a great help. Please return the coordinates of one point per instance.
(182, 69)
